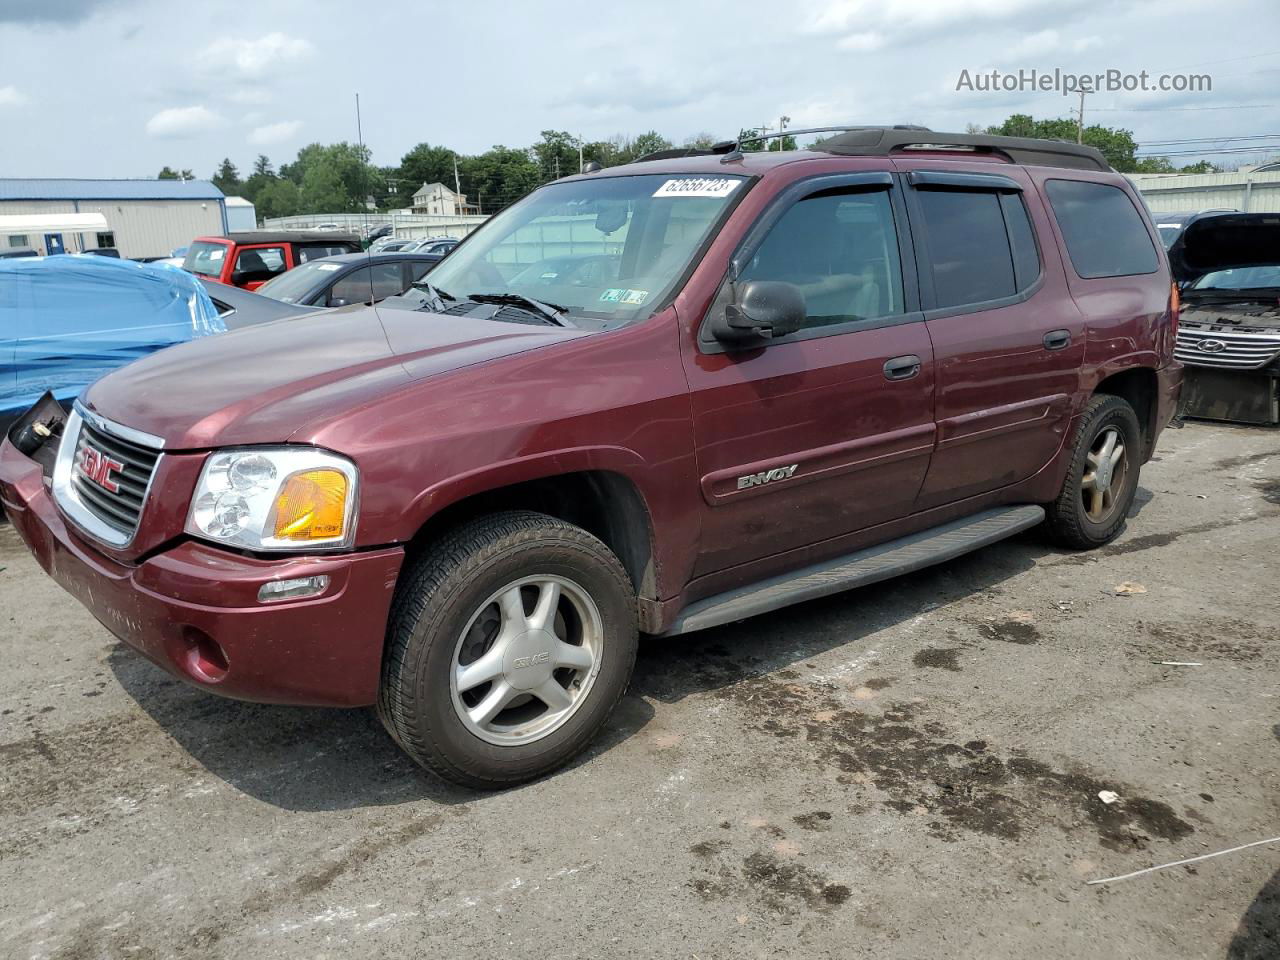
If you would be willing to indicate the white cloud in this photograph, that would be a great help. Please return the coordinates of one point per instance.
(1086, 43)
(11, 96)
(255, 58)
(1035, 45)
(177, 122)
(864, 42)
(275, 132)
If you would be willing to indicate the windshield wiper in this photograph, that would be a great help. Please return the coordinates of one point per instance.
(552, 311)
(426, 286)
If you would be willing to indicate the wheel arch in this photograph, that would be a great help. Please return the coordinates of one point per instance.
(605, 502)
(1139, 387)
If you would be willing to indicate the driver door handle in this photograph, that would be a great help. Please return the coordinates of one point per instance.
(902, 368)
(1057, 339)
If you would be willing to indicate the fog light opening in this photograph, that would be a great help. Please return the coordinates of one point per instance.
(205, 659)
(292, 589)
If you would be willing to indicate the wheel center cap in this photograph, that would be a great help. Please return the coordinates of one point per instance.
(528, 662)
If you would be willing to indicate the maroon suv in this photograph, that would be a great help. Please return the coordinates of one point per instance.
(653, 398)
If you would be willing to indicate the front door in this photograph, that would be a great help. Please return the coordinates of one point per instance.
(53, 244)
(255, 265)
(830, 429)
(1008, 340)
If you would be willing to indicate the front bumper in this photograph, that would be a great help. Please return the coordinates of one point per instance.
(194, 609)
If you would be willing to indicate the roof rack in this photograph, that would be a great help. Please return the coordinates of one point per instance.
(881, 141)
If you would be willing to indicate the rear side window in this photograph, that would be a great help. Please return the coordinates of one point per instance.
(258, 264)
(1104, 232)
(377, 282)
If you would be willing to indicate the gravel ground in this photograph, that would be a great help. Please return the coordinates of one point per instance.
(909, 770)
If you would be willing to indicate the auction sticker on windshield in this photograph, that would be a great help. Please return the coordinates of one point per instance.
(698, 187)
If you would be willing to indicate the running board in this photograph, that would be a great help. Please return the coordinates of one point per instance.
(858, 569)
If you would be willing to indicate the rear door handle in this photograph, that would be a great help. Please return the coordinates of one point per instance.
(1057, 339)
(901, 368)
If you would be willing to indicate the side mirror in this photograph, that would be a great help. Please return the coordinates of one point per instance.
(761, 310)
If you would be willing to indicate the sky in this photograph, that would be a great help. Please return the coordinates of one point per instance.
(120, 88)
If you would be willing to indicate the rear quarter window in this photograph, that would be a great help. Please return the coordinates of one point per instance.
(1103, 230)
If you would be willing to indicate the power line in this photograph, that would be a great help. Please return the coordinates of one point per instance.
(1259, 149)
(1261, 136)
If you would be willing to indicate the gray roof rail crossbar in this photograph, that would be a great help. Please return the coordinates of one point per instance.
(882, 141)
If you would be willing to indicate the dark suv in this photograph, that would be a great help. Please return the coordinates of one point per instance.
(800, 372)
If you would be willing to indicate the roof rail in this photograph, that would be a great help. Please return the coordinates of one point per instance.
(674, 153)
(880, 141)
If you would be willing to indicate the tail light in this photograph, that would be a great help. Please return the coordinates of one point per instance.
(1175, 305)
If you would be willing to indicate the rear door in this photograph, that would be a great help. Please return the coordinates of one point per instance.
(830, 429)
(1008, 339)
(368, 284)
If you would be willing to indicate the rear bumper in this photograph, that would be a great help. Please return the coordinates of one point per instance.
(1169, 390)
(193, 609)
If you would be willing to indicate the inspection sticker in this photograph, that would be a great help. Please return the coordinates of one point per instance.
(698, 187)
(635, 296)
(612, 295)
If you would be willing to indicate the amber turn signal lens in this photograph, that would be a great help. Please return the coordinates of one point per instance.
(311, 506)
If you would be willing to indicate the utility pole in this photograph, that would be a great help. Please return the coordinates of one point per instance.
(782, 126)
(1080, 120)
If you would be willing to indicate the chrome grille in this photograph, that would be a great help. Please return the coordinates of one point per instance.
(1240, 349)
(116, 496)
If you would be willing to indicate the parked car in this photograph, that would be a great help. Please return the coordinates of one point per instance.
(1229, 328)
(350, 278)
(239, 308)
(1171, 225)
(436, 245)
(65, 321)
(390, 245)
(328, 227)
(813, 370)
(378, 232)
(251, 259)
(15, 252)
(102, 252)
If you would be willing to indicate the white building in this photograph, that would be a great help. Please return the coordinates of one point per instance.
(241, 215)
(143, 218)
(435, 199)
(1248, 191)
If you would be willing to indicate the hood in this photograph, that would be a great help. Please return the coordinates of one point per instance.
(1225, 241)
(265, 383)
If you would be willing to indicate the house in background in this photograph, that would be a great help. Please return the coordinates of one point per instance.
(438, 200)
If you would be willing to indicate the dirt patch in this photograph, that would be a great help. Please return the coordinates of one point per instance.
(938, 659)
(780, 885)
(1218, 639)
(1010, 631)
(818, 820)
(1270, 490)
(912, 765)
(1233, 463)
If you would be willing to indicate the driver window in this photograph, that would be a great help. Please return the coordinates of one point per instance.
(841, 251)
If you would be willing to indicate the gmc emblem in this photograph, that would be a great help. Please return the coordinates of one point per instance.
(98, 467)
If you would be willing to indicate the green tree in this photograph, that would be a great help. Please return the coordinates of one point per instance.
(277, 197)
(498, 177)
(262, 167)
(227, 179)
(425, 163)
(167, 174)
(323, 191)
(556, 154)
(1115, 143)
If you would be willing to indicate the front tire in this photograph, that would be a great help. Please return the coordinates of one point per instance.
(1102, 477)
(510, 643)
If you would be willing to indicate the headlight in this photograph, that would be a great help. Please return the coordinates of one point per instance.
(276, 498)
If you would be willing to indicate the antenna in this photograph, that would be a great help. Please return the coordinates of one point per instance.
(363, 199)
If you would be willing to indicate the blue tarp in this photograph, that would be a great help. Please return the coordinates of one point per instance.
(67, 320)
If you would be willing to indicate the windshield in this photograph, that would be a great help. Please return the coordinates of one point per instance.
(610, 248)
(297, 283)
(205, 258)
(1241, 278)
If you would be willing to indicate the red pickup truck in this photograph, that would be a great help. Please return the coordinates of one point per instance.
(784, 374)
(251, 259)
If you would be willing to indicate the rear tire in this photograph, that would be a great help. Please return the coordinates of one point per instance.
(1102, 476)
(510, 643)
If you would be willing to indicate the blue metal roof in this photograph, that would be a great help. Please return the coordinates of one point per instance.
(15, 189)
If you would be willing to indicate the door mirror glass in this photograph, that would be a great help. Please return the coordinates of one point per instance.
(761, 310)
